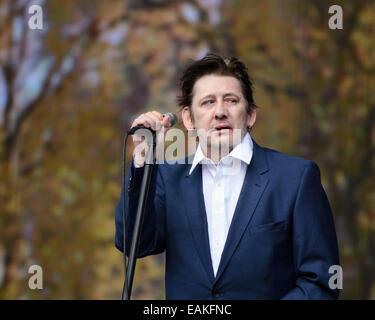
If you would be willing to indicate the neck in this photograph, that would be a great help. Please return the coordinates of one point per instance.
(216, 154)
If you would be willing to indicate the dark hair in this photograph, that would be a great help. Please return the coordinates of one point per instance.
(218, 65)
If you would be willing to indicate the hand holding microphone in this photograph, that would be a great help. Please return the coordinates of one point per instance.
(154, 120)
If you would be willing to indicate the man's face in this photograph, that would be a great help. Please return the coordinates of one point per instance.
(219, 111)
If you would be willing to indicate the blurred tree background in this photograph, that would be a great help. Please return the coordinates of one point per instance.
(69, 92)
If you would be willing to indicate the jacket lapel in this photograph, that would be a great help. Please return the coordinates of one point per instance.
(252, 189)
(192, 190)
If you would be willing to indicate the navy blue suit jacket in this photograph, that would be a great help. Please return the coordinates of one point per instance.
(280, 244)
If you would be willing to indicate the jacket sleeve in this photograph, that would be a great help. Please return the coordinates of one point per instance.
(152, 240)
(315, 247)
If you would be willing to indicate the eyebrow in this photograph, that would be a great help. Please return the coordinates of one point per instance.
(225, 95)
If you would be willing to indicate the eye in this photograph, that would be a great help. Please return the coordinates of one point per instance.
(208, 102)
(232, 100)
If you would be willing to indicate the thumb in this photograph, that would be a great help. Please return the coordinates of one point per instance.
(166, 121)
(166, 124)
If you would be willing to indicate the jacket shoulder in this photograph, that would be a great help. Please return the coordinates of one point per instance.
(283, 161)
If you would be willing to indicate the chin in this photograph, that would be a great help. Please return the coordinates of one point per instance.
(221, 142)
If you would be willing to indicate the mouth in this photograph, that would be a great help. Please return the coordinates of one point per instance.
(222, 128)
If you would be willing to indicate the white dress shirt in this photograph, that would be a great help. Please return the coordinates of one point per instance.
(221, 188)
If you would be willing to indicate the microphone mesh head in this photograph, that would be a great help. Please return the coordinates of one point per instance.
(172, 118)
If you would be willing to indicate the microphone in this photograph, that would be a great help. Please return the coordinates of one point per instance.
(172, 121)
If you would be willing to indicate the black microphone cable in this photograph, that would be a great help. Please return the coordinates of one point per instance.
(129, 133)
(125, 287)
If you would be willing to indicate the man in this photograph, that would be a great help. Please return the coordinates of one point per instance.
(237, 221)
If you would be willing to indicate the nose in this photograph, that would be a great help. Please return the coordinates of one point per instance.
(220, 110)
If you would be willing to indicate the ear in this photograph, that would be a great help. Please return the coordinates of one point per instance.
(251, 118)
(187, 119)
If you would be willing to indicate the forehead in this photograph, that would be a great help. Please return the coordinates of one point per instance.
(216, 85)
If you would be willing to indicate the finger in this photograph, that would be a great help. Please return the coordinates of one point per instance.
(155, 121)
(139, 120)
(166, 121)
(142, 122)
(158, 114)
(145, 120)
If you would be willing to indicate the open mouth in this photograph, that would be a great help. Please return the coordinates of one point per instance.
(223, 128)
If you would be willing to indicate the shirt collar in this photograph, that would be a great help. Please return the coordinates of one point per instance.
(243, 151)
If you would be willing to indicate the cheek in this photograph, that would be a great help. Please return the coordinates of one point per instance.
(239, 118)
(202, 119)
